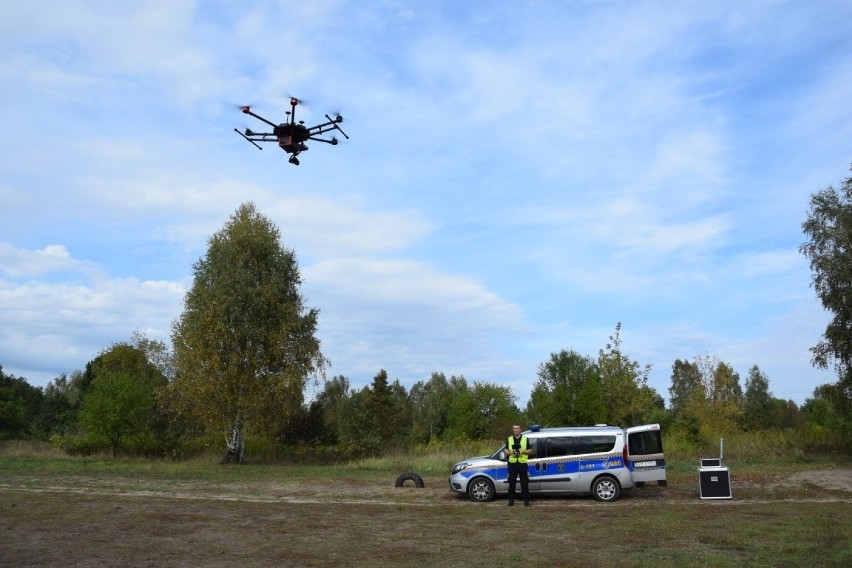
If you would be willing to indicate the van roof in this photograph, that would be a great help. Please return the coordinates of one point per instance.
(575, 430)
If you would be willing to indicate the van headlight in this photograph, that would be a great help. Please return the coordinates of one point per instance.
(460, 467)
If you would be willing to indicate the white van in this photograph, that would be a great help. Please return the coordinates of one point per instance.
(601, 460)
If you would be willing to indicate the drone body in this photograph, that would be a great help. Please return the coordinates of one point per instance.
(290, 135)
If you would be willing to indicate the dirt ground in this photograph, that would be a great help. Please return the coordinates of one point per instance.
(352, 492)
(828, 478)
(79, 520)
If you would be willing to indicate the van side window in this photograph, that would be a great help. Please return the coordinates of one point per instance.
(532, 444)
(596, 444)
(641, 443)
(557, 447)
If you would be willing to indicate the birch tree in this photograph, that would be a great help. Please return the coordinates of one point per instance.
(829, 250)
(245, 345)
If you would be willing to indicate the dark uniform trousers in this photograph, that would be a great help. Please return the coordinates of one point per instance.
(516, 470)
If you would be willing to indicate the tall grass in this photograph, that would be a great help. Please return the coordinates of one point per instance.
(437, 457)
(433, 459)
(757, 446)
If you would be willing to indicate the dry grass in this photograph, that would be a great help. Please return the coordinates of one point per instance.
(59, 512)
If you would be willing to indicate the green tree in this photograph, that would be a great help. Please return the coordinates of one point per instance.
(627, 398)
(121, 402)
(330, 404)
(430, 405)
(482, 411)
(686, 385)
(402, 411)
(821, 412)
(829, 249)
(725, 389)
(115, 408)
(380, 407)
(758, 408)
(726, 397)
(384, 416)
(245, 345)
(57, 414)
(356, 435)
(567, 392)
(688, 398)
(20, 404)
(718, 411)
(786, 414)
(62, 399)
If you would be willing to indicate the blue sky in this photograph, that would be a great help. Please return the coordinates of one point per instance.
(521, 176)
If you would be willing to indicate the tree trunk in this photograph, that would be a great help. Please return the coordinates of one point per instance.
(236, 445)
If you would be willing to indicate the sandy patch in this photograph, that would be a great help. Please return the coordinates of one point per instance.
(828, 478)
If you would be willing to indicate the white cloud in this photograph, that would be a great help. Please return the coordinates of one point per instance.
(17, 263)
(54, 328)
(409, 318)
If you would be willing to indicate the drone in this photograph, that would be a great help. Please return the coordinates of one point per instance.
(291, 135)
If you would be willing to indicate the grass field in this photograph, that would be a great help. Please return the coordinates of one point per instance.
(59, 511)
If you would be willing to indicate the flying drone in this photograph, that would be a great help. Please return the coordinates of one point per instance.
(291, 135)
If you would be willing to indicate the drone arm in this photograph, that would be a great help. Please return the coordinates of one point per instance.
(332, 124)
(335, 123)
(333, 141)
(248, 111)
(249, 139)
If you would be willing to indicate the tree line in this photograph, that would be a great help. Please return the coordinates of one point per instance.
(126, 400)
(244, 351)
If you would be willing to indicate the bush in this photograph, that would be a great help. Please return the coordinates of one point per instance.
(77, 444)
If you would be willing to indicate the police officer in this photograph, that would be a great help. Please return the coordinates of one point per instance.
(517, 453)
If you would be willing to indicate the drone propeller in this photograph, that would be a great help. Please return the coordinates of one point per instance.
(299, 100)
(239, 106)
(335, 123)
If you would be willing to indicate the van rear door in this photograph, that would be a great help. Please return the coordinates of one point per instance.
(645, 457)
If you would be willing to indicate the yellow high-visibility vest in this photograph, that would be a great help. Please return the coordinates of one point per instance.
(524, 446)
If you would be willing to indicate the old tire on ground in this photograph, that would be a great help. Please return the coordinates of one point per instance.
(606, 489)
(409, 475)
(481, 490)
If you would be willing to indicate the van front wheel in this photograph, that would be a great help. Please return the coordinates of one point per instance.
(481, 490)
(606, 489)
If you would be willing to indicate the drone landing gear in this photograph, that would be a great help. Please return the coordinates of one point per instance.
(294, 160)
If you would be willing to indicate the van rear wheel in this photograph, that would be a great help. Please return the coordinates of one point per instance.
(481, 490)
(606, 489)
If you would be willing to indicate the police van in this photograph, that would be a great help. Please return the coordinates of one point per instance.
(601, 460)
